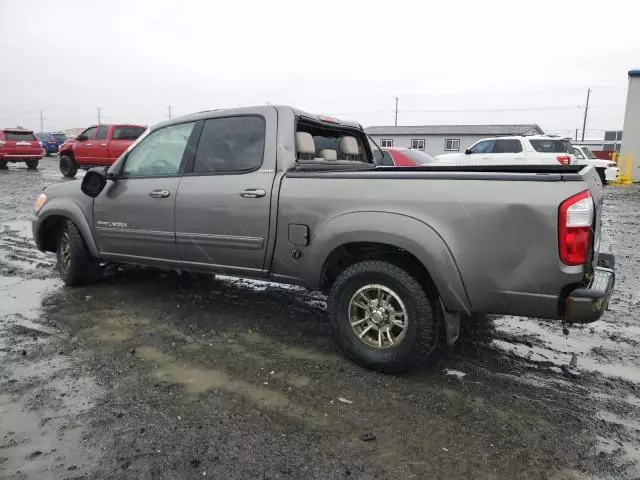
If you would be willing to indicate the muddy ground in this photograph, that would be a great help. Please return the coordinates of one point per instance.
(151, 375)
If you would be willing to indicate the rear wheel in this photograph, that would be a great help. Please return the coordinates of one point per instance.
(68, 166)
(3, 164)
(602, 175)
(31, 164)
(382, 317)
(75, 263)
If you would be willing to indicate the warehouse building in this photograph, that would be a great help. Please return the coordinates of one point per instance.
(631, 130)
(439, 139)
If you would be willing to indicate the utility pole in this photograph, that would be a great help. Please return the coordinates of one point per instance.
(396, 112)
(169, 111)
(586, 109)
(99, 117)
(576, 134)
(41, 122)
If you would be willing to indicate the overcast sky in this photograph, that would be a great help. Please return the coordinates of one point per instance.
(448, 62)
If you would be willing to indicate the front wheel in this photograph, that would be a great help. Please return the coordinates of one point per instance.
(3, 164)
(75, 263)
(31, 164)
(68, 166)
(382, 317)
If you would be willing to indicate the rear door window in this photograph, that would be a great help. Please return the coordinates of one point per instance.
(551, 145)
(507, 146)
(19, 137)
(127, 132)
(578, 153)
(230, 144)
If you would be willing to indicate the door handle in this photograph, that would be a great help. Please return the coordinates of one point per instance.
(253, 193)
(88, 144)
(159, 193)
(103, 144)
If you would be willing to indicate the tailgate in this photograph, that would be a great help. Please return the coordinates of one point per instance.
(594, 184)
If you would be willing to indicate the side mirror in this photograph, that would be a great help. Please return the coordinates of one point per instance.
(94, 181)
(467, 151)
(82, 138)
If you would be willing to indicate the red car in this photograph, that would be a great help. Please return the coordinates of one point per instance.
(99, 145)
(19, 145)
(401, 157)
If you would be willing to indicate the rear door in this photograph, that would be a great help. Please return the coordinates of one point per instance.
(83, 148)
(21, 142)
(223, 203)
(506, 151)
(134, 214)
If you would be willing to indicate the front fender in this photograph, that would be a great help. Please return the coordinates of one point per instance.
(398, 230)
(63, 207)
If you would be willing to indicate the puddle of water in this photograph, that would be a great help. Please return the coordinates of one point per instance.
(24, 296)
(297, 353)
(198, 379)
(557, 348)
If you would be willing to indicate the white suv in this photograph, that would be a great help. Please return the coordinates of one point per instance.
(515, 150)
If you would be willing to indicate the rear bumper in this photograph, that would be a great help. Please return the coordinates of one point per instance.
(19, 158)
(611, 173)
(587, 304)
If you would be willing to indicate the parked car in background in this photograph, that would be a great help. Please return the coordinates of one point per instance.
(19, 145)
(607, 169)
(51, 141)
(98, 145)
(515, 150)
(401, 157)
(278, 193)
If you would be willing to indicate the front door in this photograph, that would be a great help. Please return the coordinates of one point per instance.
(223, 203)
(134, 215)
(98, 151)
(83, 148)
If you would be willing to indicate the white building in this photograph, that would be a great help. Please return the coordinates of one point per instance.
(631, 129)
(438, 139)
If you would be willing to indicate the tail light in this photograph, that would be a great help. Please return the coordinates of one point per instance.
(563, 159)
(574, 228)
(2, 143)
(52, 141)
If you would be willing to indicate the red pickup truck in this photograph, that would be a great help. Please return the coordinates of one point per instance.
(98, 145)
(19, 145)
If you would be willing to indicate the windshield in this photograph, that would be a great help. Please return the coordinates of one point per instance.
(418, 156)
(60, 137)
(551, 145)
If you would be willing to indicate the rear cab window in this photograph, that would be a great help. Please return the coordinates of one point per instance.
(551, 145)
(127, 132)
(333, 143)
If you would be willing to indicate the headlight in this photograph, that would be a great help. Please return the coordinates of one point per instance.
(42, 199)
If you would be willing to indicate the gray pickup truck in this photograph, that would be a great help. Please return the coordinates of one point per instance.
(404, 254)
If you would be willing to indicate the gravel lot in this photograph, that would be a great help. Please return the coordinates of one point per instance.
(151, 375)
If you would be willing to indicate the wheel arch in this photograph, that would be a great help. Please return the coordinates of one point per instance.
(50, 219)
(419, 248)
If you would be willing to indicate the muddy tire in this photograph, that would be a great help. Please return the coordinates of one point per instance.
(75, 263)
(402, 328)
(3, 165)
(68, 166)
(32, 164)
